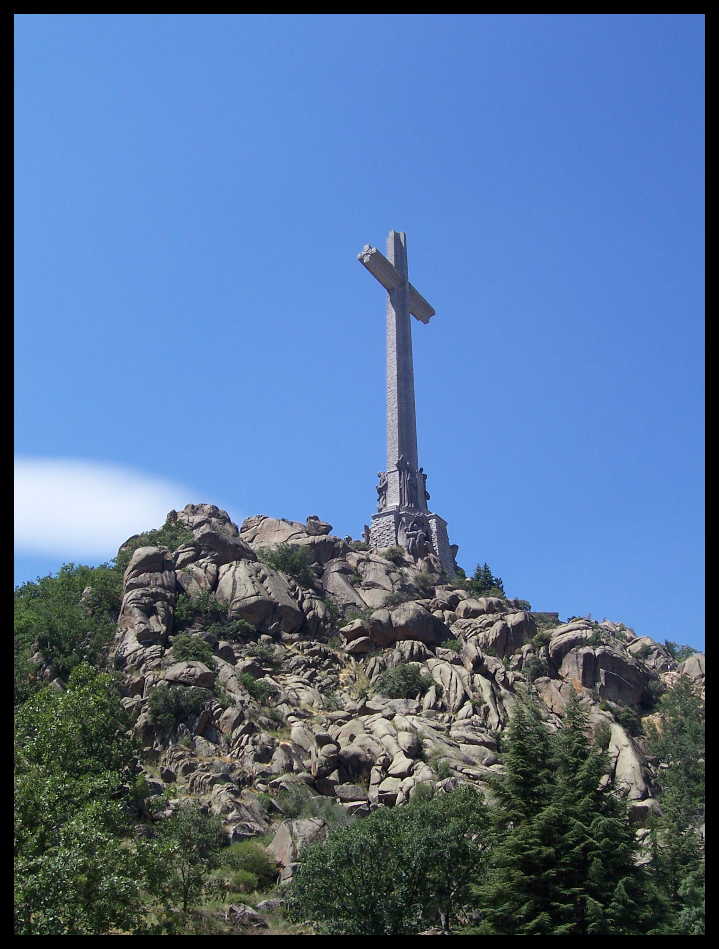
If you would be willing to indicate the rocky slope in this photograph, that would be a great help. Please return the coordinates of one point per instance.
(315, 651)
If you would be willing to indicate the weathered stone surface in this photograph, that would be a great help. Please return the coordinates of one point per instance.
(409, 621)
(147, 604)
(455, 682)
(360, 646)
(471, 608)
(355, 630)
(260, 595)
(694, 667)
(223, 547)
(292, 835)
(617, 677)
(191, 673)
(260, 531)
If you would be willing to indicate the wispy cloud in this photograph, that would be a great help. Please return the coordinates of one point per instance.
(82, 509)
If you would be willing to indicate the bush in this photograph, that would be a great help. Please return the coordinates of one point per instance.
(334, 613)
(359, 545)
(250, 857)
(167, 706)
(171, 536)
(405, 681)
(543, 638)
(290, 560)
(454, 645)
(677, 652)
(484, 583)
(186, 648)
(534, 667)
(424, 584)
(522, 605)
(396, 871)
(629, 720)
(258, 688)
(234, 630)
(264, 653)
(395, 555)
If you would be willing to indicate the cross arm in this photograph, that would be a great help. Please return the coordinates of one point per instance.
(390, 278)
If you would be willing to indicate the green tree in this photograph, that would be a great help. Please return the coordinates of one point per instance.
(565, 864)
(68, 615)
(397, 869)
(181, 858)
(75, 791)
(677, 846)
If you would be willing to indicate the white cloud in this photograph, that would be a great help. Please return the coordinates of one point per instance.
(81, 509)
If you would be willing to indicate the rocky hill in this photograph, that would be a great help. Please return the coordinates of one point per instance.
(276, 660)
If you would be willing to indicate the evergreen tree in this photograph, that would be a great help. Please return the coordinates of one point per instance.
(566, 863)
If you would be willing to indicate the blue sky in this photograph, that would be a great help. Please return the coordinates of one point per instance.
(192, 323)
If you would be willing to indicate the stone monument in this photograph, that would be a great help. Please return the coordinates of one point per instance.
(403, 517)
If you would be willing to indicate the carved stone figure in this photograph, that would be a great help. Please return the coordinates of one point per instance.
(382, 490)
(423, 476)
(366, 534)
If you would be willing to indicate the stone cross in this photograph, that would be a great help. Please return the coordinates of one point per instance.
(402, 300)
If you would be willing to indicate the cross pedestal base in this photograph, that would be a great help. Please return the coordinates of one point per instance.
(387, 530)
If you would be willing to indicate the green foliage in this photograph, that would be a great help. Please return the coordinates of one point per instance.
(677, 652)
(424, 584)
(264, 653)
(629, 720)
(334, 613)
(523, 605)
(249, 858)
(399, 596)
(291, 560)
(186, 648)
(359, 545)
(68, 628)
(484, 583)
(355, 578)
(534, 667)
(170, 535)
(396, 870)
(182, 856)
(75, 787)
(168, 705)
(259, 689)
(454, 645)
(598, 638)
(543, 638)
(331, 702)
(405, 681)
(565, 864)
(395, 555)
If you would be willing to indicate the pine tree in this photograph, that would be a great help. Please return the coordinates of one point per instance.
(566, 864)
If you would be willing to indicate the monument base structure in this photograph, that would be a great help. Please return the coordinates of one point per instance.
(403, 518)
(391, 529)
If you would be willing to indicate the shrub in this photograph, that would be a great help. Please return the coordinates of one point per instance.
(331, 702)
(258, 688)
(523, 605)
(264, 653)
(405, 681)
(334, 613)
(534, 667)
(290, 560)
(454, 645)
(543, 638)
(399, 596)
(596, 639)
(355, 579)
(395, 555)
(170, 535)
(629, 720)
(424, 584)
(250, 857)
(359, 545)
(167, 706)
(186, 648)
(234, 631)
(200, 610)
(677, 652)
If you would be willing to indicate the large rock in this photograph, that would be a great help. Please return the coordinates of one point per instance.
(148, 602)
(617, 677)
(471, 608)
(292, 835)
(694, 667)
(651, 654)
(409, 621)
(260, 531)
(191, 673)
(626, 768)
(258, 594)
(335, 581)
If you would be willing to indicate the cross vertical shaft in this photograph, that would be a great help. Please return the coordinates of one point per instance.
(401, 419)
